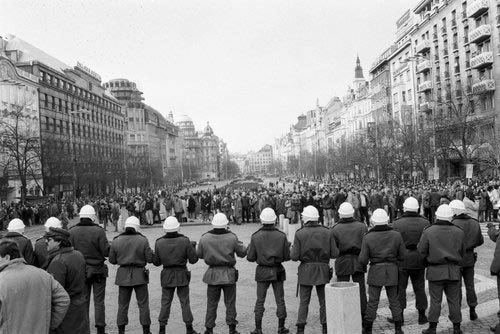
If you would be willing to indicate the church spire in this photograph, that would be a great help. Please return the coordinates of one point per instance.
(358, 71)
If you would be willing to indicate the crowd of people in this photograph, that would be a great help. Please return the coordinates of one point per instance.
(379, 236)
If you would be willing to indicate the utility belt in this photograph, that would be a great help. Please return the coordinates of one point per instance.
(411, 247)
(383, 263)
(133, 265)
(175, 267)
(350, 252)
(221, 265)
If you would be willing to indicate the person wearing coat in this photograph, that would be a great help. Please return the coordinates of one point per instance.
(218, 248)
(31, 300)
(130, 250)
(90, 239)
(473, 238)
(411, 226)
(442, 245)
(495, 265)
(383, 248)
(313, 246)
(348, 235)
(269, 247)
(15, 231)
(173, 250)
(68, 268)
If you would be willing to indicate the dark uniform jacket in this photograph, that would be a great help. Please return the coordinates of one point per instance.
(495, 264)
(383, 247)
(68, 268)
(40, 254)
(173, 251)
(90, 240)
(218, 247)
(269, 247)
(314, 246)
(473, 237)
(443, 247)
(131, 251)
(348, 235)
(411, 225)
(24, 244)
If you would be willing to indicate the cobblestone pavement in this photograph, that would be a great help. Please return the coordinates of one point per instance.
(485, 286)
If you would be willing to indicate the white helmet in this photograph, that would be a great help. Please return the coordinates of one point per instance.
(457, 206)
(310, 213)
(219, 220)
(380, 217)
(16, 225)
(87, 211)
(171, 224)
(52, 222)
(346, 210)
(444, 212)
(133, 222)
(267, 216)
(411, 204)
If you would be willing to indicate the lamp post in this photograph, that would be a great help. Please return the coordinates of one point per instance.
(72, 143)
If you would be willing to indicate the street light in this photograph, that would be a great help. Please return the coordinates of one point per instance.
(71, 138)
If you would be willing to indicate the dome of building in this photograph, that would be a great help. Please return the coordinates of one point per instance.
(208, 130)
(184, 119)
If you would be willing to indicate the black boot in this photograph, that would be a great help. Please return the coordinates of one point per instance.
(146, 329)
(422, 318)
(256, 331)
(391, 320)
(325, 328)
(190, 330)
(281, 327)
(300, 329)
(162, 329)
(209, 330)
(397, 327)
(494, 328)
(232, 329)
(258, 327)
(121, 329)
(367, 327)
(472, 314)
(456, 328)
(100, 329)
(431, 329)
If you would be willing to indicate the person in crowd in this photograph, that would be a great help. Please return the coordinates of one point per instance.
(68, 268)
(31, 300)
(40, 252)
(473, 238)
(411, 226)
(493, 234)
(348, 235)
(442, 245)
(15, 232)
(90, 239)
(313, 246)
(269, 247)
(218, 248)
(173, 251)
(383, 248)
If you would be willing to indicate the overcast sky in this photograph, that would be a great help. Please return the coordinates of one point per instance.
(248, 67)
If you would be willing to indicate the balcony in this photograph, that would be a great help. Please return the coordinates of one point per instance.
(435, 36)
(477, 7)
(424, 107)
(453, 22)
(483, 86)
(480, 33)
(423, 46)
(483, 59)
(425, 86)
(423, 66)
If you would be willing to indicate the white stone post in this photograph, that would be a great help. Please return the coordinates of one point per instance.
(343, 310)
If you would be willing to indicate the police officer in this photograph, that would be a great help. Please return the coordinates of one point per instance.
(269, 247)
(383, 247)
(495, 266)
(411, 225)
(130, 250)
(173, 251)
(90, 239)
(473, 238)
(443, 247)
(41, 255)
(218, 248)
(15, 232)
(313, 246)
(68, 268)
(348, 235)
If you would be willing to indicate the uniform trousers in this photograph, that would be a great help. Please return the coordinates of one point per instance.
(470, 291)
(358, 277)
(498, 294)
(305, 298)
(142, 296)
(97, 285)
(213, 297)
(374, 298)
(167, 297)
(417, 277)
(279, 296)
(453, 291)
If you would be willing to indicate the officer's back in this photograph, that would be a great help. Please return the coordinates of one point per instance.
(411, 226)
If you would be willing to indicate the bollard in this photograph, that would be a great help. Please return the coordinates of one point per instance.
(281, 219)
(286, 224)
(292, 228)
(343, 310)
